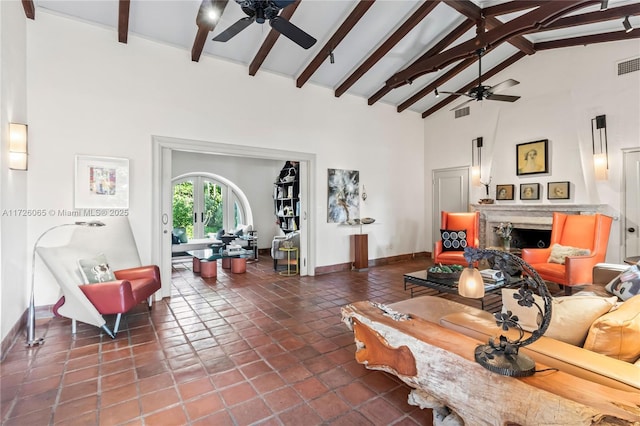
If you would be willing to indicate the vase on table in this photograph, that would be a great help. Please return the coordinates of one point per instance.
(506, 244)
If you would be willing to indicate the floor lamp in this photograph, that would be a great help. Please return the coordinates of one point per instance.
(31, 317)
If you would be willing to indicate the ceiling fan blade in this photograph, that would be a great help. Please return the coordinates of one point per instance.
(234, 29)
(292, 32)
(506, 98)
(461, 105)
(454, 93)
(504, 85)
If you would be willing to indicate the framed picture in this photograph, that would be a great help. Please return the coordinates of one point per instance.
(504, 192)
(532, 158)
(101, 182)
(343, 196)
(530, 191)
(558, 190)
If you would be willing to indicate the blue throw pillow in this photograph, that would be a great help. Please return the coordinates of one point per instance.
(453, 240)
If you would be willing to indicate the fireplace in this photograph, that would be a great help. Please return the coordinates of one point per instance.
(531, 223)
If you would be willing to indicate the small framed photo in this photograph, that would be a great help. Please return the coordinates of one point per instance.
(558, 190)
(532, 158)
(504, 192)
(530, 191)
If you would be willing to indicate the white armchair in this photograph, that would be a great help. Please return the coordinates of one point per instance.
(278, 242)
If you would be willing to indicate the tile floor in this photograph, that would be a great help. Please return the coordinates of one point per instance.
(254, 348)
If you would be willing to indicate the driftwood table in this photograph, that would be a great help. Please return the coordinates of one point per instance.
(438, 364)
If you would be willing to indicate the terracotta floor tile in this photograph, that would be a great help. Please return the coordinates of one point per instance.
(282, 399)
(203, 406)
(118, 395)
(195, 388)
(237, 393)
(357, 393)
(170, 416)
(250, 412)
(267, 382)
(76, 407)
(254, 348)
(310, 388)
(329, 406)
(78, 390)
(221, 418)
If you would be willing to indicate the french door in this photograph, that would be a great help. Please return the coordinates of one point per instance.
(198, 206)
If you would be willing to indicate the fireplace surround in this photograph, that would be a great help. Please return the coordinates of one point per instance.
(531, 223)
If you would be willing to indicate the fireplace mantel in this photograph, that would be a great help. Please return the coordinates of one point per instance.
(525, 216)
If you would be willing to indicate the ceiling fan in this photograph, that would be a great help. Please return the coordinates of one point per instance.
(481, 92)
(261, 10)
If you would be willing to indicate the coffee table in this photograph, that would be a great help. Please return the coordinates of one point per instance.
(205, 261)
(418, 284)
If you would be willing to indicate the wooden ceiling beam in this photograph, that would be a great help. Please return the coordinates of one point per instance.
(417, 17)
(537, 18)
(465, 8)
(437, 48)
(512, 6)
(493, 71)
(270, 40)
(356, 14)
(590, 39)
(594, 17)
(518, 42)
(123, 20)
(205, 24)
(29, 9)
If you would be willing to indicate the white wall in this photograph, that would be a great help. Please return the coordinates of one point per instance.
(14, 249)
(254, 176)
(89, 94)
(562, 90)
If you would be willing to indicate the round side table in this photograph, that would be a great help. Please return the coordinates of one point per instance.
(290, 261)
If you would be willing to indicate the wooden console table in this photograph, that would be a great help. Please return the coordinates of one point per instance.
(439, 365)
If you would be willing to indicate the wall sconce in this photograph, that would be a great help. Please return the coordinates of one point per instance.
(600, 149)
(476, 161)
(17, 146)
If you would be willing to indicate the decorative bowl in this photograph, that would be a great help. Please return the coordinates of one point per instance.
(367, 220)
(444, 276)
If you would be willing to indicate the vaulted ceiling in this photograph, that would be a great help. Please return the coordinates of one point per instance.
(393, 51)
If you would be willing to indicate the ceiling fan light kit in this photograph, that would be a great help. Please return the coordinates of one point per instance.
(267, 10)
(480, 92)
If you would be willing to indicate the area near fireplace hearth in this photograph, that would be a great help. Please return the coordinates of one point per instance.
(531, 224)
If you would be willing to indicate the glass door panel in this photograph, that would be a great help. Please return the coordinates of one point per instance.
(183, 203)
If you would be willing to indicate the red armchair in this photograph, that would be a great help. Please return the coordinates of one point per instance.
(458, 221)
(89, 302)
(581, 231)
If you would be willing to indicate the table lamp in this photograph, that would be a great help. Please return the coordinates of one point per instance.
(31, 315)
(502, 355)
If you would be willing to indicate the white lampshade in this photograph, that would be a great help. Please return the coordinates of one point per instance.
(470, 284)
(475, 176)
(17, 146)
(600, 166)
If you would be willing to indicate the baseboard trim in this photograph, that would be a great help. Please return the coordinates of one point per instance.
(341, 267)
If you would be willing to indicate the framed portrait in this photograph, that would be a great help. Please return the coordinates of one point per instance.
(504, 192)
(343, 196)
(558, 190)
(530, 191)
(101, 182)
(532, 158)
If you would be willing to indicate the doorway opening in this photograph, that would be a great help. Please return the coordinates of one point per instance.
(162, 194)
